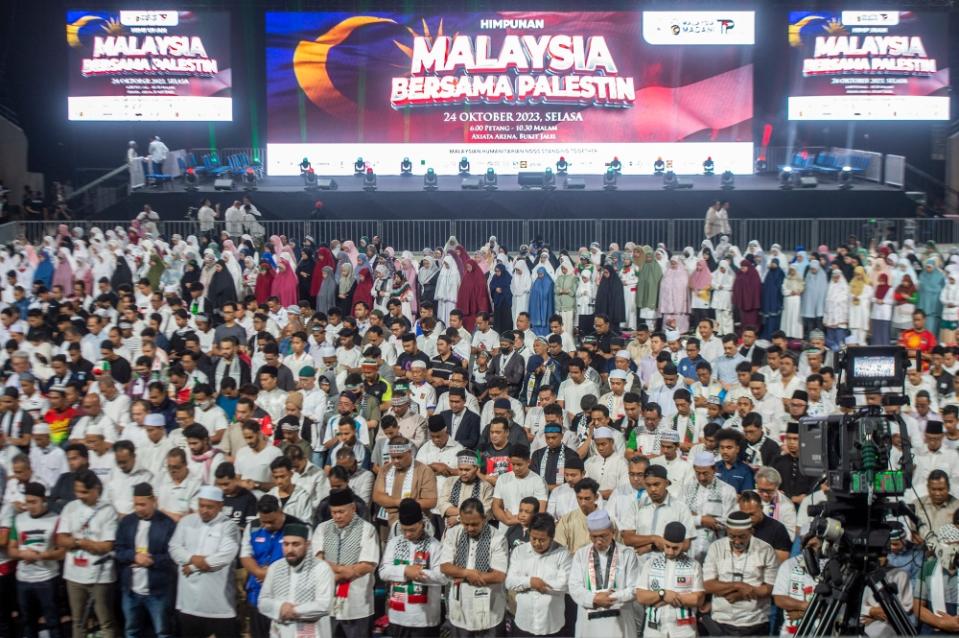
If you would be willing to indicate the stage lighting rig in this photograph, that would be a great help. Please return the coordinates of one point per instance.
(761, 166)
(464, 166)
(609, 179)
(670, 181)
(406, 167)
(845, 178)
(249, 179)
(549, 180)
(369, 180)
(561, 166)
(190, 180)
(430, 181)
(359, 167)
(616, 165)
(785, 178)
(727, 181)
(709, 166)
(659, 166)
(305, 166)
(489, 179)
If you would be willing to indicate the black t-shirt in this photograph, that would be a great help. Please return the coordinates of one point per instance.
(120, 370)
(405, 360)
(774, 533)
(443, 368)
(241, 507)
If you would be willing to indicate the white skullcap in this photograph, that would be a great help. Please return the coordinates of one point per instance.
(603, 433)
(622, 354)
(670, 436)
(598, 521)
(154, 420)
(418, 364)
(618, 374)
(672, 335)
(41, 428)
(326, 350)
(210, 493)
(704, 459)
(94, 429)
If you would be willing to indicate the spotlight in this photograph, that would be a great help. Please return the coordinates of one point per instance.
(659, 166)
(305, 166)
(249, 179)
(609, 179)
(406, 167)
(561, 166)
(464, 166)
(845, 178)
(727, 181)
(549, 179)
(489, 179)
(785, 178)
(670, 181)
(709, 167)
(191, 179)
(430, 181)
(359, 167)
(616, 165)
(309, 178)
(761, 165)
(369, 180)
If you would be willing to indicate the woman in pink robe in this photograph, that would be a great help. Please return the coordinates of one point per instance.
(674, 296)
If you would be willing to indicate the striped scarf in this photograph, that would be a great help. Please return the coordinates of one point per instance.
(342, 546)
(305, 585)
(483, 549)
(457, 488)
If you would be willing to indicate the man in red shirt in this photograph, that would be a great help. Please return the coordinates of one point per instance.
(59, 415)
(918, 339)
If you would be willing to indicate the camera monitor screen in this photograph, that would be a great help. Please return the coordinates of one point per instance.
(874, 367)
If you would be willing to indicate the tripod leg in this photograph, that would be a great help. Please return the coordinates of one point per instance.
(885, 594)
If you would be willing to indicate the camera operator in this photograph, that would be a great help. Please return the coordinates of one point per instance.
(936, 509)
(936, 587)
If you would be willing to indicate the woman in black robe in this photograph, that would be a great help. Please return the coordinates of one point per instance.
(304, 274)
(222, 290)
(609, 298)
(191, 275)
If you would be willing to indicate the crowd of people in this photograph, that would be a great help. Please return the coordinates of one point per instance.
(215, 434)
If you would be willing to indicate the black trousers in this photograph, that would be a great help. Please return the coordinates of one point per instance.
(762, 629)
(198, 627)
(359, 628)
(399, 631)
(259, 625)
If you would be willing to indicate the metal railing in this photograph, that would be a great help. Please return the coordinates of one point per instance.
(563, 234)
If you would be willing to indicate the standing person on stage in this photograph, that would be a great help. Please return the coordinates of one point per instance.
(297, 593)
(87, 530)
(158, 152)
(38, 562)
(475, 559)
(538, 574)
(350, 547)
(147, 574)
(740, 572)
(410, 567)
(204, 546)
(602, 582)
(671, 588)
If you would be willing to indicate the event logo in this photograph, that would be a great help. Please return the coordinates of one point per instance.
(699, 27)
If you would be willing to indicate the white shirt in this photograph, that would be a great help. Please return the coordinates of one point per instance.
(679, 472)
(794, 581)
(622, 587)
(97, 523)
(212, 418)
(404, 612)
(359, 599)
(489, 339)
(609, 471)
(152, 456)
(571, 394)
(102, 465)
(255, 466)
(650, 518)
(511, 490)
(141, 575)
(119, 491)
(37, 534)
(48, 463)
(539, 613)
(476, 608)
(178, 498)
(683, 576)
(311, 619)
(757, 565)
(429, 453)
(206, 594)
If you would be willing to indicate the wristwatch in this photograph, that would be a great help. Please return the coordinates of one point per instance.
(662, 594)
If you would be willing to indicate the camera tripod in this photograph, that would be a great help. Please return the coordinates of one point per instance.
(835, 608)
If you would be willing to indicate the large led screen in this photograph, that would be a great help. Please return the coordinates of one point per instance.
(509, 90)
(149, 65)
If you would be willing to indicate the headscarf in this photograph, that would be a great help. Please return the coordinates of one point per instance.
(882, 286)
(858, 282)
(674, 289)
(814, 296)
(155, 270)
(324, 258)
(701, 277)
(501, 279)
(63, 273)
(345, 282)
(222, 288)
(43, 274)
(522, 281)
(264, 282)
(649, 276)
(747, 288)
(771, 302)
(364, 288)
(836, 311)
(930, 287)
(541, 302)
(473, 295)
(801, 262)
(609, 297)
(448, 281)
(428, 272)
(326, 295)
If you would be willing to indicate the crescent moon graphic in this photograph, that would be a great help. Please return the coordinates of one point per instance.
(795, 39)
(309, 65)
(73, 30)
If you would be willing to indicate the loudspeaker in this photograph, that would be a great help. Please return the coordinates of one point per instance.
(530, 179)
(472, 183)
(326, 184)
(808, 181)
(575, 184)
(223, 184)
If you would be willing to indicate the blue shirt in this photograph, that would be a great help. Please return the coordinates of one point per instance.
(267, 548)
(725, 368)
(229, 405)
(687, 366)
(740, 476)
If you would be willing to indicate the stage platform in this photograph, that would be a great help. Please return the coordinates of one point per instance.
(637, 197)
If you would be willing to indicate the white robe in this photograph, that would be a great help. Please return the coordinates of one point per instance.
(447, 289)
(520, 286)
(624, 582)
(791, 322)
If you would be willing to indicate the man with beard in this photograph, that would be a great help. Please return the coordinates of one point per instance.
(410, 567)
(670, 588)
(297, 592)
(466, 485)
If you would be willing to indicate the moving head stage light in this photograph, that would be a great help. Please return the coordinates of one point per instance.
(853, 452)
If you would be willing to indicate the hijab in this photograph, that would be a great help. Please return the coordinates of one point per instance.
(473, 295)
(747, 288)
(858, 282)
(364, 288)
(771, 301)
(930, 287)
(326, 294)
(345, 282)
(674, 288)
(609, 297)
(882, 286)
(541, 301)
(814, 296)
(324, 259)
(701, 278)
(501, 279)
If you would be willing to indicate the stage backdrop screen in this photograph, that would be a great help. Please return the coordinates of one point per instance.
(150, 65)
(869, 65)
(514, 91)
